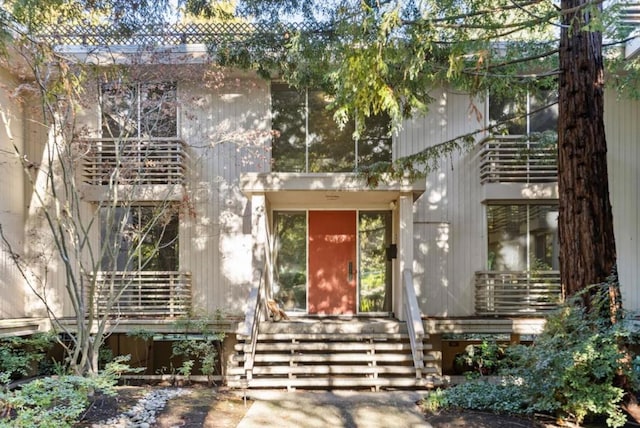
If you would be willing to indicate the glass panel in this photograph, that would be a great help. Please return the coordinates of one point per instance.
(289, 129)
(156, 117)
(546, 119)
(543, 226)
(139, 238)
(516, 244)
(290, 260)
(119, 111)
(503, 109)
(116, 246)
(156, 239)
(374, 235)
(374, 144)
(331, 149)
(158, 110)
(507, 226)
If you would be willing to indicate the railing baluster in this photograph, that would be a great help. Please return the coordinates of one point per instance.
(145, 293)
(517, 292)
(512, 159)
(134, 160)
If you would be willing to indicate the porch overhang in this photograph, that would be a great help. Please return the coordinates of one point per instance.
(327, 190)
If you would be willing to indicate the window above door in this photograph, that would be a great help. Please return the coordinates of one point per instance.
(307, 139)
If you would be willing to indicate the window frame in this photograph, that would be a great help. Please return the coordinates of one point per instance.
(138, 89)
(354, 161)
(530, 250)
(122, 236)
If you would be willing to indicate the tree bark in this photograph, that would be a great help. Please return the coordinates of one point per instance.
(587, 242)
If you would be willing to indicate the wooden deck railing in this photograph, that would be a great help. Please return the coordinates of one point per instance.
(144, 293)
(133, 161)
(508, 159)
(517, 293)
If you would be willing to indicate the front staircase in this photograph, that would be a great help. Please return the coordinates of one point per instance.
(318, 353)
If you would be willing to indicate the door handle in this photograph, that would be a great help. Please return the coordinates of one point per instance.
(350, 271)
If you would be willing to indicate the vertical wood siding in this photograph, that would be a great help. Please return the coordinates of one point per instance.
(12, 206)
(448, 218)
(622, 122)
(227, 131)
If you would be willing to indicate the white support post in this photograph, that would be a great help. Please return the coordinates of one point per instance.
(259, 234)
(405, 248)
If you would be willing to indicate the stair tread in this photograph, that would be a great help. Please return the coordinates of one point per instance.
(337, 382)
(360, 357)
(323, 346)
(301, 336)
(333, 369)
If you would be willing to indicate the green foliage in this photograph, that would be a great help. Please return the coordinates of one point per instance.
(483, 359)
(198, 344)
(58, 401)
(19, 356)
(572, 369)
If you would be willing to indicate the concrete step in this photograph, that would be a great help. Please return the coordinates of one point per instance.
(331, 346)
(337, 382)
(333, 358)
(307, 370)
(310, 337)
(329, 326)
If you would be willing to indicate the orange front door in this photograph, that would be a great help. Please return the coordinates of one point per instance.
(332, 262)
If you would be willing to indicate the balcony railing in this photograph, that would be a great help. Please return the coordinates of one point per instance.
(144, 294)
(507, 159)
(133, 161)
(517, 293)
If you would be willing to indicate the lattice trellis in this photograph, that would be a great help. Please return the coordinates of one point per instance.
(171, 35)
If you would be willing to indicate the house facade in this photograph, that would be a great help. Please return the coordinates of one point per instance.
(247, 192)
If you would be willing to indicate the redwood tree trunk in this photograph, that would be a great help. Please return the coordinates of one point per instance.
(587, 242)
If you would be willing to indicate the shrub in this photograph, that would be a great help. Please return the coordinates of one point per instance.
(19, 356)
(201, 347)
(58, 401)
(572, 370)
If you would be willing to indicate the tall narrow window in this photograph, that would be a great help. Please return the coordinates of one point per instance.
(290, 260)
(307, 139)
(374, 237)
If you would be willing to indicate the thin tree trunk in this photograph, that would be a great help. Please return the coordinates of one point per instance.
(587, 242)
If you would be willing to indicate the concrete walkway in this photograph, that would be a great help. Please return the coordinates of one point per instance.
(335, 409)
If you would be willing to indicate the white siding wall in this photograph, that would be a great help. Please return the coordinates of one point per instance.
(227, 128)
(12, 206)
(622, 121)
(449, 217)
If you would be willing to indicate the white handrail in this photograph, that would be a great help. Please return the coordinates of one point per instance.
(414, 321)
(257, 307)
(252, 322)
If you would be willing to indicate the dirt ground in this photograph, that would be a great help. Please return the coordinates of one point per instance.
(203, 407)
(223, 408)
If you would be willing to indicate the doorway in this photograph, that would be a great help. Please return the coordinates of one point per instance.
(333, 262)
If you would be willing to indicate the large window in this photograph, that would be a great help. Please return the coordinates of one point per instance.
(139, 110)
(526, 114)
(522, 237)
(139, 238)
(307, 139)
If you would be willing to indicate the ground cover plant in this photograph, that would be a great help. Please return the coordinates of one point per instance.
(580, 367)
